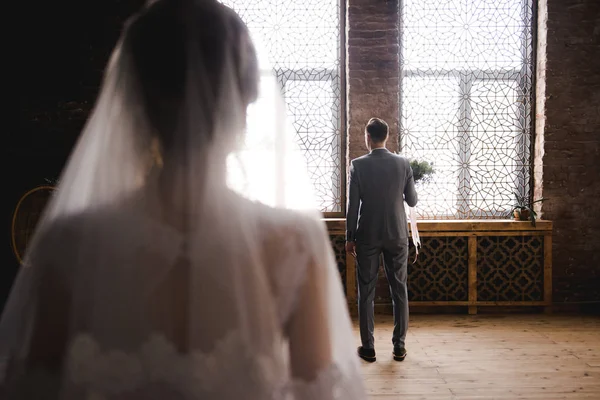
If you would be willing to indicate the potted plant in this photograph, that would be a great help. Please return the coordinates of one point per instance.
(422, 170)
(523, 210)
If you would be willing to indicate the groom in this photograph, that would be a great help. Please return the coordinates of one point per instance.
(380, 183)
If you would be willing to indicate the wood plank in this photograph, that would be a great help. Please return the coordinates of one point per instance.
(481, 233)
(336, 226)
(493, 225)
(472, 270)
(548, 271)
(488, 357)
(512, 303)
(477, 303)
(481, 225)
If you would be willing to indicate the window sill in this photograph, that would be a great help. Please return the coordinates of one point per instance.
(338, 225)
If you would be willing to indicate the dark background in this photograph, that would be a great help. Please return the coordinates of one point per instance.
(56, 61)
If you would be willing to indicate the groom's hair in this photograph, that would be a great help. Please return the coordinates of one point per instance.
(378, 130)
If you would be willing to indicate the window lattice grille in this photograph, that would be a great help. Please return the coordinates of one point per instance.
(466, 102)
(302, 40)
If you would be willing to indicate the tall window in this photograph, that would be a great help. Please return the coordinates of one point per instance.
(302, 40)
(466, 102)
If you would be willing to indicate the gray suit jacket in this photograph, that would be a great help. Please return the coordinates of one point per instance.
(380, 182)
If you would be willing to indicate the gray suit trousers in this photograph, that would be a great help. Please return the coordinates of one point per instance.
(395, 257)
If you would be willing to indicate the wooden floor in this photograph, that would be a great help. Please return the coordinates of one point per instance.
(488, 357)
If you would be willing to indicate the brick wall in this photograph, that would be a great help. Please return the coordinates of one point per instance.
(571, 160)
(372, 69)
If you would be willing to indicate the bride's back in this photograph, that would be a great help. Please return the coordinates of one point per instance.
(185, 72)
(148, 300)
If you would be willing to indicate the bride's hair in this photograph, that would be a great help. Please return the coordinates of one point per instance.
(156, 45)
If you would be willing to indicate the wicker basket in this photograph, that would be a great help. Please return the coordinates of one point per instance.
(26, 216)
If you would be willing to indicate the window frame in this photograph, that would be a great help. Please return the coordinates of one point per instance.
(342, 110)
(524, 170)
(285, 75)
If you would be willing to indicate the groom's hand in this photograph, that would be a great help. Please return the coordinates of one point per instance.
(351, 248)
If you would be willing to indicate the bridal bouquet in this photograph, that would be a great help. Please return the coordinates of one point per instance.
(422, 173)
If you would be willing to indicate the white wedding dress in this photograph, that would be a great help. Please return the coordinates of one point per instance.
(253, 328)
(181, 256)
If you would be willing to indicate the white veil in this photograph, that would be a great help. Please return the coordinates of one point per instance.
(181, 258)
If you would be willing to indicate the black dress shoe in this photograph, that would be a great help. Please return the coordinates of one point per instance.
(367, 354)
(399, 353)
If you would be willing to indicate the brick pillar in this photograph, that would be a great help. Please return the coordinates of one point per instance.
(372, 69)
(571, 179)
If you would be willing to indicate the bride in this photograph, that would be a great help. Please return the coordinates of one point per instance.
(159, 271)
